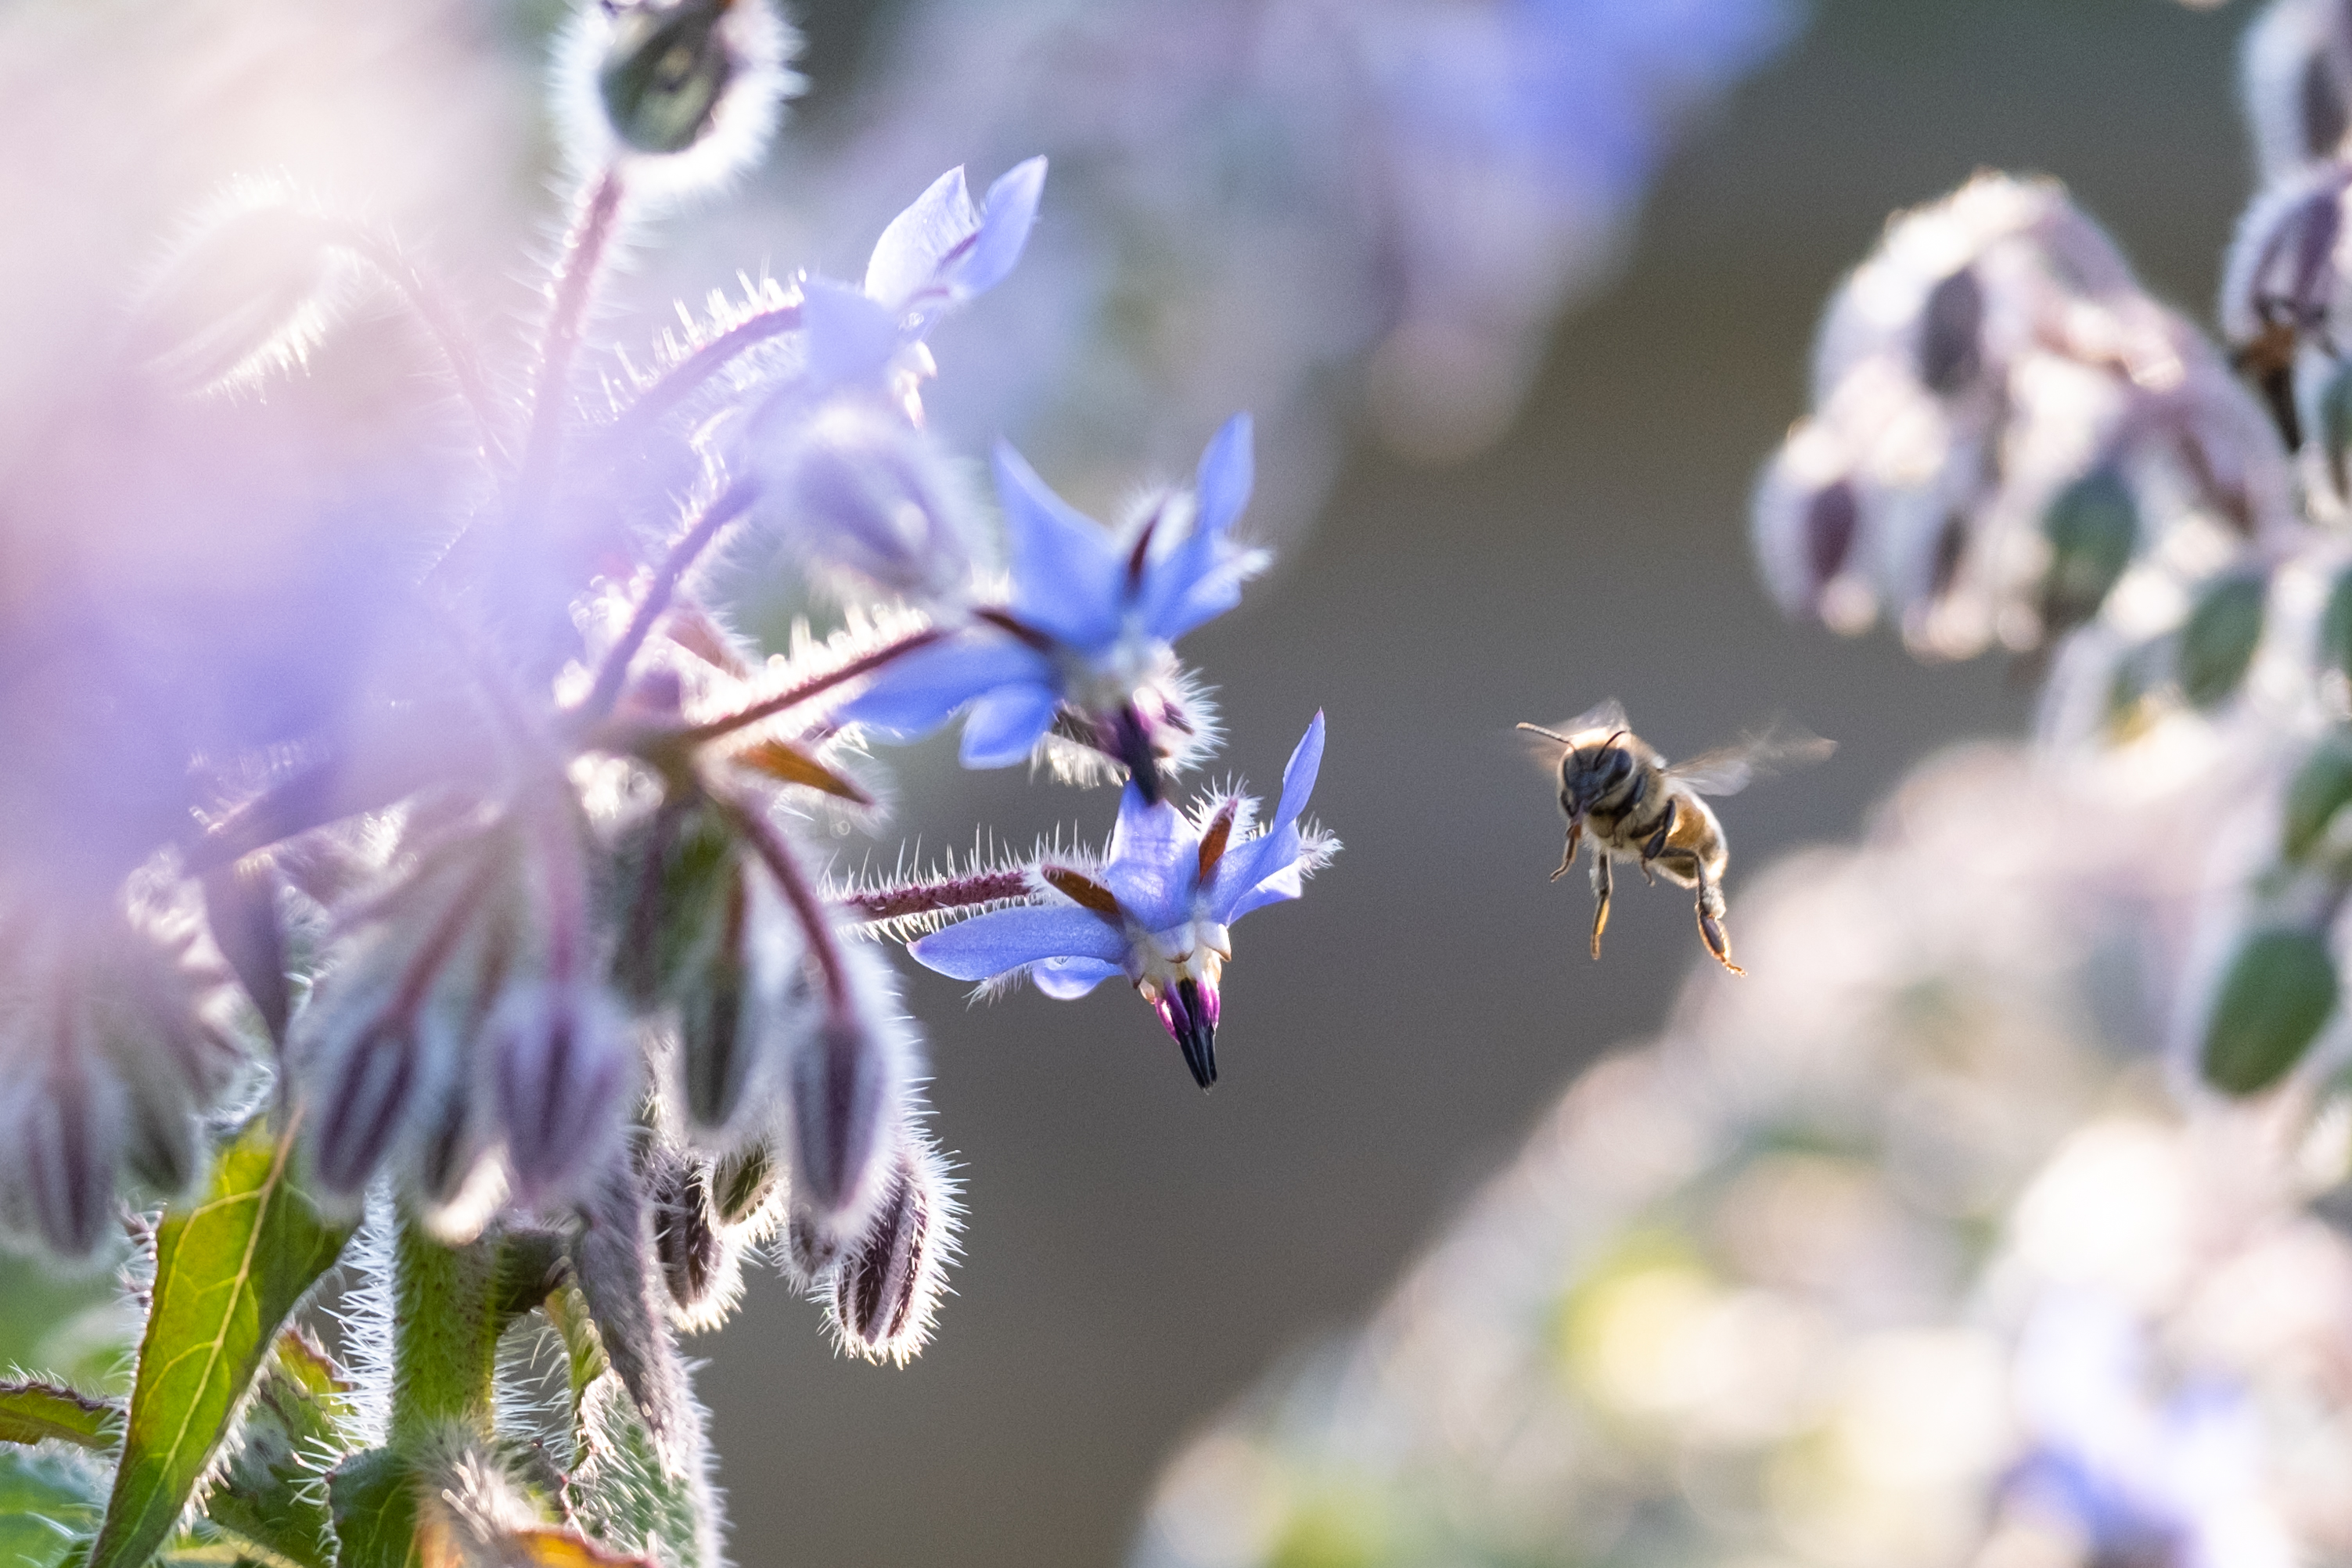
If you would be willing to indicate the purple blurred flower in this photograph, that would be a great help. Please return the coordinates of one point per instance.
(1091, 623)
(1159, 910)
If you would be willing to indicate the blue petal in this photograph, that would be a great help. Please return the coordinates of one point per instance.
(1263, 861)
(1066, 579)
(919, 692)
(850, 338)
(1154, 863)
(1228, 470)
(1206, 582)
(986, 946)
(1006, 724)
(1065, 978)
(1005, 220)
(920, 241)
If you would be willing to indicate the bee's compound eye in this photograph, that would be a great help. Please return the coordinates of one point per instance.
(1615, 764)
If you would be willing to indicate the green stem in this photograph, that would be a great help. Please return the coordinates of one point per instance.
(445, 1335)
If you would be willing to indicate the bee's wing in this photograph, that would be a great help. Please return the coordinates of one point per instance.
(1546, 743)
(1727, 770)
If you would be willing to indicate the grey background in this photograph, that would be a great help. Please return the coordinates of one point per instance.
(1137, 1252)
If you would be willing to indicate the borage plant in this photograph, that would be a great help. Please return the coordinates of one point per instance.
(518, 987)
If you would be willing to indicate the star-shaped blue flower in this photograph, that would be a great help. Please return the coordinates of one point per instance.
(933, 256)
(1090, 625)
(1159, 910)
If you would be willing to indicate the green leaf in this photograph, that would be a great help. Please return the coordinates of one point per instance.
(629, 1494)
(228, 1269)
(2219, 641)
(2093, 528)
(2321, 788)
(374, 1499)
(30, 1412)
(2278, 991)
(292, 1433)
(48, 1505)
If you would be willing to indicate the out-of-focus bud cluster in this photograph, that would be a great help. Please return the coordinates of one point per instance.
(2010, 440)
(1895, 1254)
(682, 95)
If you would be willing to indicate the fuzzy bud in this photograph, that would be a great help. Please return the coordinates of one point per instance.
(743, 1183)
(363, 1092)
(871, 506)
(716, 1043)
(2279, 990)
(845, 1116)
(66, 1144)
(2091, 528)
(2218, 642)
(685, 93)
(561, 1062)
(698, 1262)
(886, 1287)
(1951, 335)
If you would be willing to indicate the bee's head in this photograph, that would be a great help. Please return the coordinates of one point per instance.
(1588, 774)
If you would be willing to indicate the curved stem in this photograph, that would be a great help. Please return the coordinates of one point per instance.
(815, 685)
(899, 901)
(730, 504)
(825, 946)
(576, 283)
(691, 374)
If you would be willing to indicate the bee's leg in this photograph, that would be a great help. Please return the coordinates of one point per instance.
(1657, 843)
(1600, 886)
(1567, 856)
(1710, 923)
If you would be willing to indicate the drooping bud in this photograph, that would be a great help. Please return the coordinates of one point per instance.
(2092, 527)
(674, 875)
(2296, 72)
(2320, 789)
(2278, 991)
(663, 72)
(844, 1111)
(241, 909)
(66, 1145)
(698, 1262)
(561, 1062)
(363, 1091)
(1951, 333)
(2218, 641)
(715, 1045)
(743, 1185)
(886, 1287)
(871, 507)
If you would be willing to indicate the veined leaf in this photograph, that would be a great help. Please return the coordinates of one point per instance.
(30, 1412)
(228, 1269)
(270, 1494)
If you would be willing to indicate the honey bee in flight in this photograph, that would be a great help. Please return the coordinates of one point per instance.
(1642, 809)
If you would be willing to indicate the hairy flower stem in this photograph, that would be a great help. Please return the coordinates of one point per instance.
(445, 1335)
(575, 285)
(923, 897)
(694, 371)
(815, 685)
(440, 322)
(730, 504)
(784, 866)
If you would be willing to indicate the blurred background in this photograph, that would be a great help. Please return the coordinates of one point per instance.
(1136, 1253)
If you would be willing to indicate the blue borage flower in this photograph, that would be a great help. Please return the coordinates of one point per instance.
(1158, 909)
(1088, 635)
(933, 256)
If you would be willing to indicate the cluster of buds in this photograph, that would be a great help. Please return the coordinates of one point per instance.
(536, 935)
(2010, 441)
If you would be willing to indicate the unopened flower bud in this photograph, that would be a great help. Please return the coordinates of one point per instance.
(686, 92)
(363, 1088)
(560, 1064)
(2219, 640)
(2297, 70)
(2320, 789)
(2092, 527)
(715, 1045)
(2277, 993)
(887, 1285)
(743, 1183)
(870, 505)
(698, 1262)
(67, 1145)
(674, 875)
(1951, 333)
(845, 1114)
(663, 72)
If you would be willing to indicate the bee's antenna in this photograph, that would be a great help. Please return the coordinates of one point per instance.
(1547, 734)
